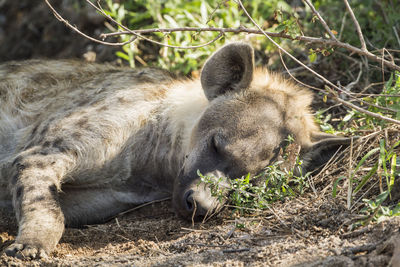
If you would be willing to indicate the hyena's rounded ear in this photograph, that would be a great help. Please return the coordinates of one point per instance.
(229, 69)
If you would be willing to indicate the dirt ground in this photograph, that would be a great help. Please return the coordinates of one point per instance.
(307, 231)
(311, 230)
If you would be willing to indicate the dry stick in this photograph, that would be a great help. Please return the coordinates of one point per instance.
(306, 39)
(60, 18)
(350, 180)
(396, 34)
(346, 103)
(357, 25)
(327, 29)
(143, 205)
(137, 33)
(321, 90)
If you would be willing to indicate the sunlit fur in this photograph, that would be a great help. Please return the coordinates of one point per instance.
(81, 142)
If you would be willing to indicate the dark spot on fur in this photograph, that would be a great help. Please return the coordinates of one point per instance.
(30, 188)
(34, 130)
(16, 161)
(22, 166)
(46, 144)
(44, 152)
(32, 209)
(82, 122)
(58, 142)
(39, 199)
(20, 191)
(40, 165)
(44, 129)
(44, 78)
(14, 179)
(13, 67)
(76, 135)
(60, 145)
(83, 102)
(123, 100)
(103, 108)
(53, 191)
(56, 213)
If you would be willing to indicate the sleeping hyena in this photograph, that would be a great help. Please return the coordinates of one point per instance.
(81, 142)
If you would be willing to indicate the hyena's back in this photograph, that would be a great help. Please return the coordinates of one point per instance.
(41, 100)
(32, 91)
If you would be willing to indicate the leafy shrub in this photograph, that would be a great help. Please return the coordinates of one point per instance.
(145, 14)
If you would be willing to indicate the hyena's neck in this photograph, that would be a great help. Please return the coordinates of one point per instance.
(167, 136)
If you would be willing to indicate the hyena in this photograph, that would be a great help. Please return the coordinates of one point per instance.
(81, 142)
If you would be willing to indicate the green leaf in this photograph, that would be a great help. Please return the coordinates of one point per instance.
(366, 178)
(335, 184)
(349, 116)
(312, 57)
(122, 55)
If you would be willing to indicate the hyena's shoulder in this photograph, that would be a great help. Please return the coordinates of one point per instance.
(35, 81)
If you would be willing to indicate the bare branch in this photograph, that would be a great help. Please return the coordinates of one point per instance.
(357, 25)
(60, 18)
(345, 103)
(197, 29)
(139, 34)
(327, 29)
(99, 9)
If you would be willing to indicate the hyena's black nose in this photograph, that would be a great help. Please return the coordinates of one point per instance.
(188, 200)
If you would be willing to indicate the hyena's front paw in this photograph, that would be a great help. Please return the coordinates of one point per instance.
(26, 251)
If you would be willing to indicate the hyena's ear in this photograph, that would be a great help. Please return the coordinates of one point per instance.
(324, 147)
(228, 69)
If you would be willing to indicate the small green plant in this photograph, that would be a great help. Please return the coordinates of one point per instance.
(249, 194)
(386, 169)
(388, 100)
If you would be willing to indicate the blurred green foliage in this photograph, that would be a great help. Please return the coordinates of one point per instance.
(274, 15)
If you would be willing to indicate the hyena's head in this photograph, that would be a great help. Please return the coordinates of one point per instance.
(249, 118)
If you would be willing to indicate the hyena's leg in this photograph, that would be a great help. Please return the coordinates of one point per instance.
(35, 183)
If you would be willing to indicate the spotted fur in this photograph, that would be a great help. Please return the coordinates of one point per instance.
(81, 142)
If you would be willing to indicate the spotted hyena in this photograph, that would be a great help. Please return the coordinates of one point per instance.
(81, 142)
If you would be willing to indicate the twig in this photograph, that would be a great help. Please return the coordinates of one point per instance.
(350, 180)
(357, 233)
(196, 29)
(194, 230)
(60, 18)
(222, 31)
(372, 114)
(396, 34)
(235, 250)
(99, 9)
(363, 248)
(342, 26)
(206, 245)
(143, 205)
(357, 25)
(327, 29)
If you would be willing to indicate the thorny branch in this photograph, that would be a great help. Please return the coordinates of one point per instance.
(331, 42)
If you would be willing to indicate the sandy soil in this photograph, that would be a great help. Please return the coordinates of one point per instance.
(307, 231)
